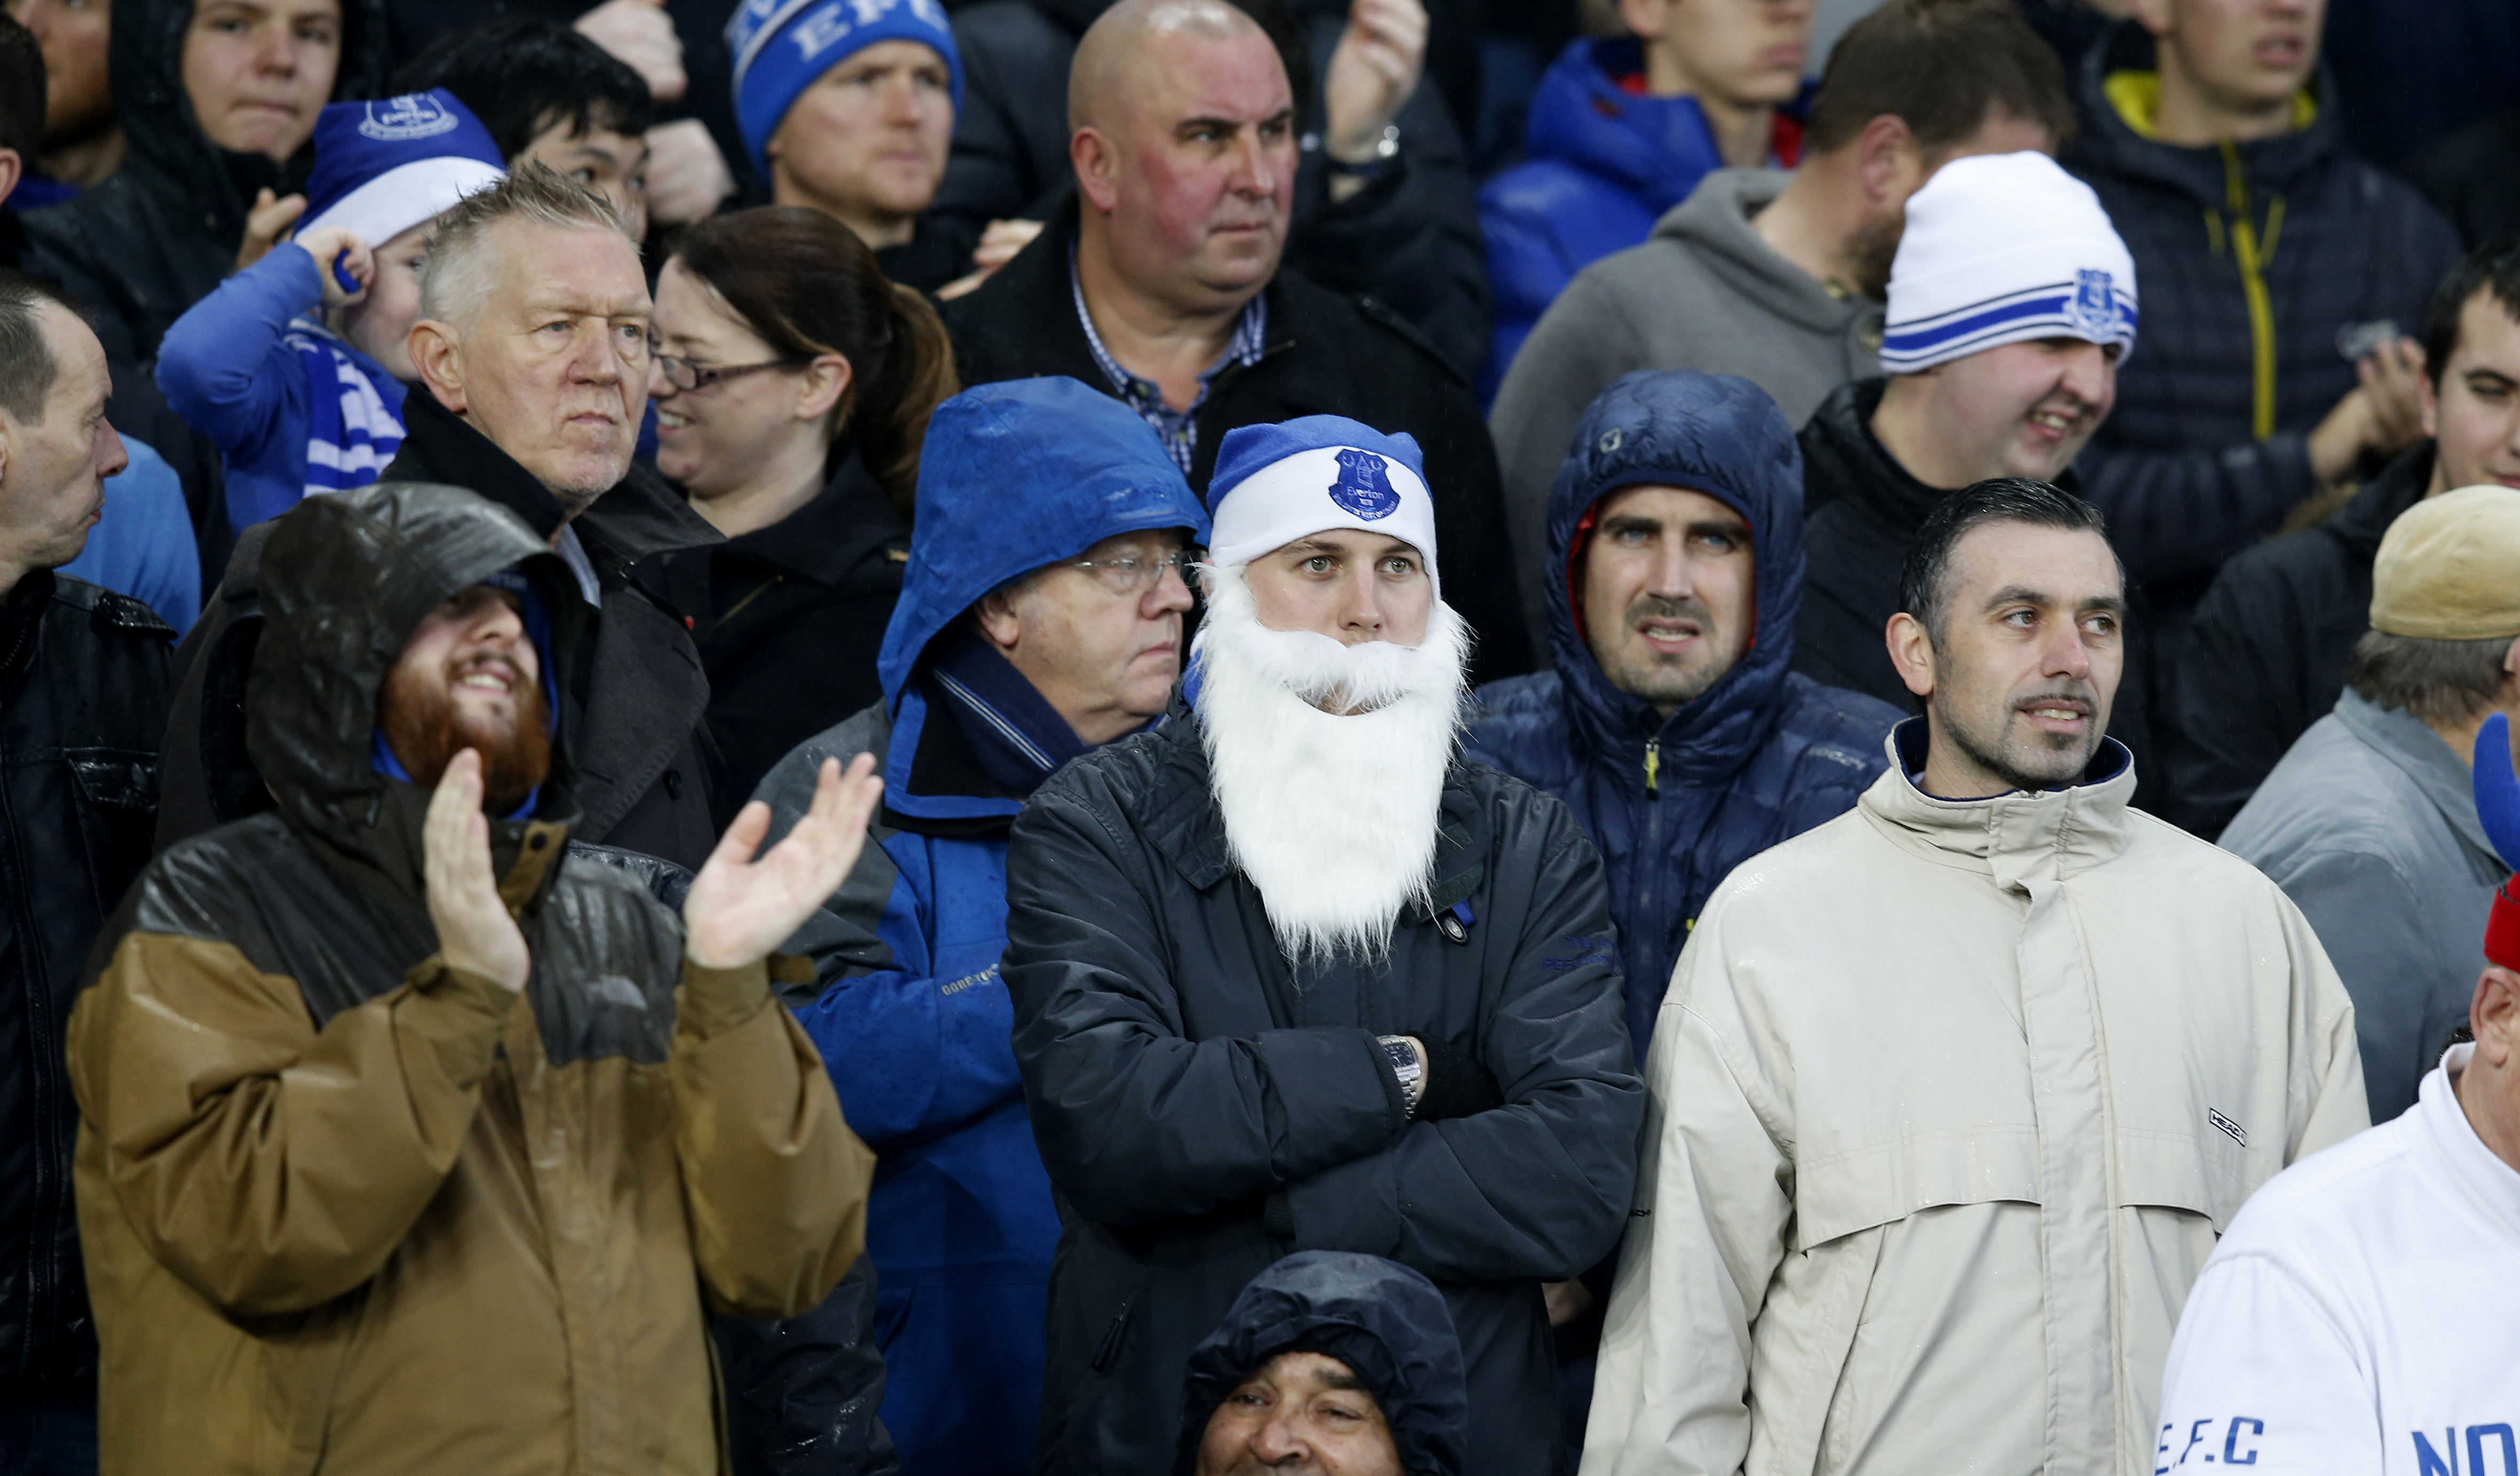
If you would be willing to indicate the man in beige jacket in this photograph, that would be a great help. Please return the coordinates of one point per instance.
(1953, 1095)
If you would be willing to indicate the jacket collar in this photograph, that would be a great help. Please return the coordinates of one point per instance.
(639, 517)
(1844, 459)
(828, 540)
(2420, 753)
(2400, 484)
(2109, 142)
(2018, 837)
(2468, 1169)
(1181, 819)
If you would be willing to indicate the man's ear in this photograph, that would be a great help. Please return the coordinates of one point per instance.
(439, 358)
(996, 621)
(1096, 162)
(2428, 395)
(12, 169)
(1912, 650)
(2154, 15)
(2494, 1016)
(1887, 161)
(1645, 20)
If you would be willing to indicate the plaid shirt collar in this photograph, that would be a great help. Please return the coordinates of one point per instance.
(1177, 429)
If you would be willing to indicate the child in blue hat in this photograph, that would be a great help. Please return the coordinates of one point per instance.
(297, 365)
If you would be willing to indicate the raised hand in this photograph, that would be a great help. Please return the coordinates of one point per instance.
(265, 223)
(640, 33)
(475, 932)
(339, 244)
(1372, 71)
(741, 908)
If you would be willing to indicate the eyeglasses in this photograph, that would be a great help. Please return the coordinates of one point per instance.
(1133, 574)
(683, 375)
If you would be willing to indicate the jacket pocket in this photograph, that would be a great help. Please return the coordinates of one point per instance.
(1881, 1183)
(2166, 1171)
(115, 795)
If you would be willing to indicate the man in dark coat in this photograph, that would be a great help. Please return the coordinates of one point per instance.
(2266, 656)
(1673, 725)
(1328, 1328)
(546, 433)
(1290, 975)
(82, 703)
(2272, 261)
(1162, 282)
(1402, 227)
(154, 240)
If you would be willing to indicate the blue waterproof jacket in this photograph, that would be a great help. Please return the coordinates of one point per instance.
(1602, 166)
(913, 1019)
(1673, 805)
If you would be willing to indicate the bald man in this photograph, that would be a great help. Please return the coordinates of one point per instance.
(1161, 282)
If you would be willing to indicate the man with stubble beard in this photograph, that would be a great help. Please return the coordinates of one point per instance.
(532, 347)
(1989, 1061)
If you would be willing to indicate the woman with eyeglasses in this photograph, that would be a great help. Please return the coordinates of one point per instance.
(793, 385)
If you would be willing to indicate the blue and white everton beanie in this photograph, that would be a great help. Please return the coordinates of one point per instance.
(1277, 483)
(782, 47)
(2001, 248)
(384, 167)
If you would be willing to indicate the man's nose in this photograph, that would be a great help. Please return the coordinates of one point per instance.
(901, 102)
(115, 457)
(1279, 1441)
(601, 362)
(275, 50)
(1669, 575)
(1361, 606)
(1255, 172)
(1169, 593)
(2090, 376)
(2065, 653)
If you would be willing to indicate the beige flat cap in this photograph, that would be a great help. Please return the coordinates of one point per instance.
(2449, 569)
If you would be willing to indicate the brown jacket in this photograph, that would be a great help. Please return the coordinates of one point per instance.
(346, 1209)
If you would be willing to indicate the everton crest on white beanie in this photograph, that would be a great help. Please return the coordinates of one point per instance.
(1277, 483)
(2000, 249)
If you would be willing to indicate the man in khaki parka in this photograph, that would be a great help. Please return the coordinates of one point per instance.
(1951, 1095)
(413, 1142)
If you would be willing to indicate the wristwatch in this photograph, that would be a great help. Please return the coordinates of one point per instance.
(1386, 155)
(1405, 1065)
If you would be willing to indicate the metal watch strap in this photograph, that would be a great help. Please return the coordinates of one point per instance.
(1405, 1065)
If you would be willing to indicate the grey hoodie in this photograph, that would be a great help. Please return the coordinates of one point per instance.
(1703, 292)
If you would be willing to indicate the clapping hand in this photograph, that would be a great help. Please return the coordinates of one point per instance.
(741, 906)
(1372, 72)
(641, 34)
(474, 931)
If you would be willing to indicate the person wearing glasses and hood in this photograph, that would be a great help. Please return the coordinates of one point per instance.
(1040, 618)
(793, 385)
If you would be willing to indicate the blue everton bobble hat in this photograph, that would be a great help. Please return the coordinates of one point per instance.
(382, 167)
(782, 47)
(1277, 483)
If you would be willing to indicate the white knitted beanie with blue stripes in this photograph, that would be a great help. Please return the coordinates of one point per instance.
(2000, 249)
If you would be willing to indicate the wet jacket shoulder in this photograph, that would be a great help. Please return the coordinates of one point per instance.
(1203, 1110)
(1411, 240)
(2259, 263)
(82, 701)
(1602, 163)
(1328, 354)
(295, 1109)
(1675, 804)
(2266, 656)
(159, 235)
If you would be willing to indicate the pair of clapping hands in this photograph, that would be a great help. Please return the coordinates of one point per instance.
(741, 906)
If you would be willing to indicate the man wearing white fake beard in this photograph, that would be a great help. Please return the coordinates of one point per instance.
(1289, 975)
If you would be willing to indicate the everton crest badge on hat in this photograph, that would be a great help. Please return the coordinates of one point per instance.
(2096, 307)
(413, 116)
(1364, 486)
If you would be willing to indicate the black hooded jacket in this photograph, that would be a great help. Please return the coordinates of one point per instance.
(151, 241)
(1409, 240)
(634, 701)
(82, 701)
(1865, 512)
(1388, 1323)
(2266, 658)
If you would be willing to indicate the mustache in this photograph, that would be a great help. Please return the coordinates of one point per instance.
(2072, 693)
(1664, 608)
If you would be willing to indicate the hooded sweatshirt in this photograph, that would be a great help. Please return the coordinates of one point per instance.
(155, 239)
(913, 1015)
(1604, 160)
(2265, 266)
(1951, 1099)
(350, 1208)
(1674, 804)
(1706, 293)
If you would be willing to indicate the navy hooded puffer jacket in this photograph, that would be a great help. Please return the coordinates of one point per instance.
(1385, 1321)
(1675, 804)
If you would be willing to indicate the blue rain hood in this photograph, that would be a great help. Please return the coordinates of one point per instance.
(1387, 1323)
(1718, 435)
(1014, 476)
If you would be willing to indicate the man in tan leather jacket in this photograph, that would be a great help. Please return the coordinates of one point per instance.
(414, 1142)
(1953, 1095)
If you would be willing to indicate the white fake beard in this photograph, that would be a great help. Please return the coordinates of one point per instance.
(1333, 817)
